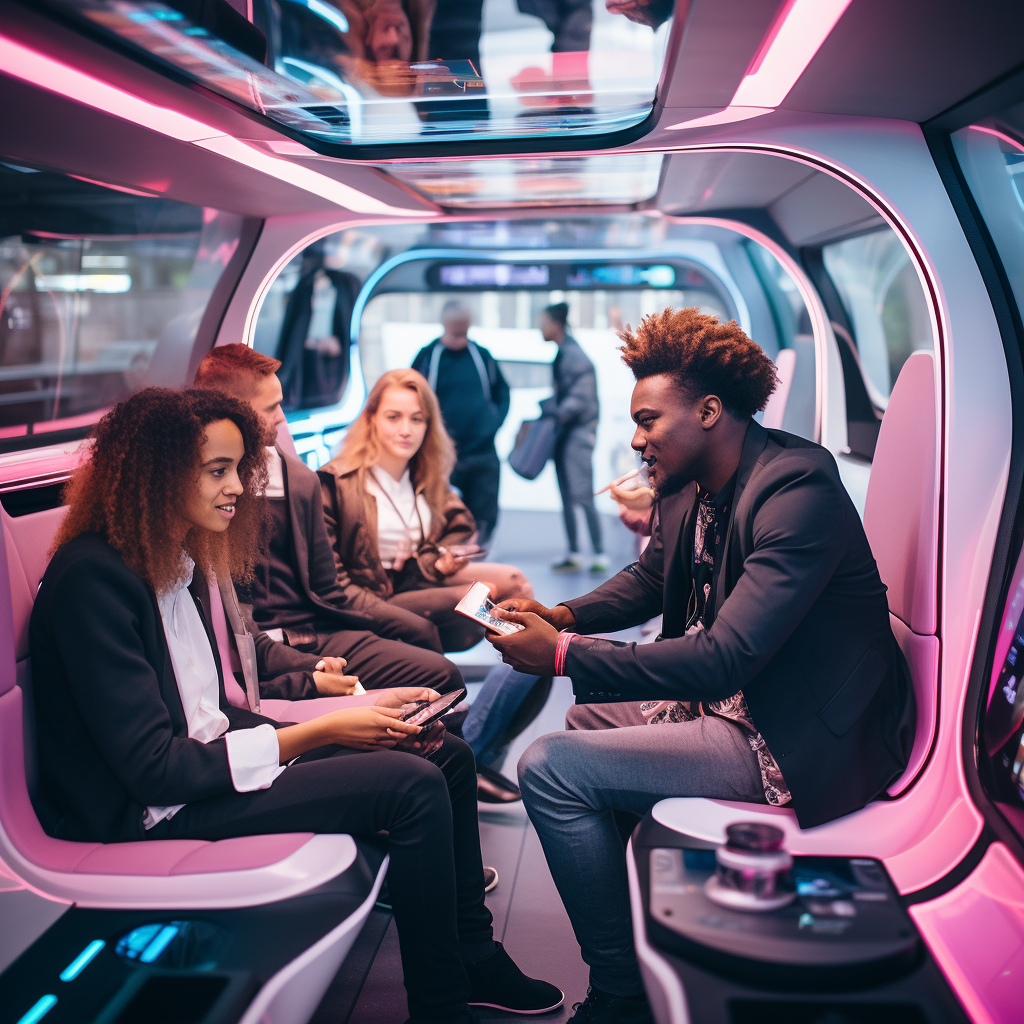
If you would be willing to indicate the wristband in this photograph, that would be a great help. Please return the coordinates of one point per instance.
(564, 639)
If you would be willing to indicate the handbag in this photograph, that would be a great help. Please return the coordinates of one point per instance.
(535, 444)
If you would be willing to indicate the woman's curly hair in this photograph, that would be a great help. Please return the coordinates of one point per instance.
(704, 356)
(145, 463)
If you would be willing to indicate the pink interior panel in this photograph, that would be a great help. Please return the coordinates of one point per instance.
(16, 811)
(922, 654)
(27, 541)
(976, 934)
(901, 513)
(241, 854)
(13, 590)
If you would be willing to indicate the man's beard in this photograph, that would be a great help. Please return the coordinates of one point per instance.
(672, 484)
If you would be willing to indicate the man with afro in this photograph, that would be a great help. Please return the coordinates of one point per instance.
(776, 678)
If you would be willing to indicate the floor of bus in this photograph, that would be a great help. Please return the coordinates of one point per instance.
(528, 915)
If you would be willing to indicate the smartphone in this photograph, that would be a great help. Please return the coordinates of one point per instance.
(477, 605)
(472, 552)
(426, 712)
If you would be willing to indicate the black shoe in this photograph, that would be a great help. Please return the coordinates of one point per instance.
(490, 878)
(497, 982)
(493, 788)
(604, 1008)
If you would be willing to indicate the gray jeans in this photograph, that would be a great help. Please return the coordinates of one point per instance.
(574, 470)
(607, 761)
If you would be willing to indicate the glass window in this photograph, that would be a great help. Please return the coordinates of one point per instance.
(885, 304)
(100, 292)
(397, 71)
(609, 178)
(991, 155)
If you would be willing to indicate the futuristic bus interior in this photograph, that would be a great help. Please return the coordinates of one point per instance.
(844, 178)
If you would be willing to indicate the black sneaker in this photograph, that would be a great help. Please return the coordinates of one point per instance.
(490, 878)
(604, 1008)
(493, 788)
(499, 984)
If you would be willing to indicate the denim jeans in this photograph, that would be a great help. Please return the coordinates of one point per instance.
(496, 704)
(573, 782)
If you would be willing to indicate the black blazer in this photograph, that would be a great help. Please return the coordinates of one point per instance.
(332, 596)
(111, 732)
(802, 628)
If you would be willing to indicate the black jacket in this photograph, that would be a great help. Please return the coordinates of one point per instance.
(111, 732)
(802, 628)
(335, 601)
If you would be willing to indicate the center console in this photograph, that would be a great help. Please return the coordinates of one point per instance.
(746, 934)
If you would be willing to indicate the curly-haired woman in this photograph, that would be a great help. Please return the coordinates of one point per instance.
(137, 740)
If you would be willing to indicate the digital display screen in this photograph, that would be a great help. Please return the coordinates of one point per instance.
(620, 275)
(494, 275)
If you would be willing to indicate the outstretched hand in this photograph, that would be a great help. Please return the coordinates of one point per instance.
(531, 649)
(560, 616)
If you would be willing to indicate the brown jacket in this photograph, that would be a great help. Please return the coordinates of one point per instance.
(353, 534)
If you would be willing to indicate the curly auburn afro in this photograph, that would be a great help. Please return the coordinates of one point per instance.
(704, 356)
(145, 462)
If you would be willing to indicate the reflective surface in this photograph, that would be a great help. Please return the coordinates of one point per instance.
(93, 282)
(399, 71)
(624, 178)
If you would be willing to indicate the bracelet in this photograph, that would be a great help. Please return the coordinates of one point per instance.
(564, 639)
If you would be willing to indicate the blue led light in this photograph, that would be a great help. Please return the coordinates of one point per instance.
(159, 944)
(40, 1010)
(75, 968)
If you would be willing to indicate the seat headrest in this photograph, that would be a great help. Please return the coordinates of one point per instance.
(901, 511)
(27, 541)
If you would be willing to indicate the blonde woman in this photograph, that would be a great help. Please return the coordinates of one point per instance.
(397, 527)
(399, 530)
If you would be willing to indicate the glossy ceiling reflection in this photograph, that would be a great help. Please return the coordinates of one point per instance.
(619, 179)
(379, 72)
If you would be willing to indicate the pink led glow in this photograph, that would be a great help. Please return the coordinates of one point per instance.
(799, 31)
(800, 28)
(116, 188)
(726, 116)
(1002, 136)
(46, 73)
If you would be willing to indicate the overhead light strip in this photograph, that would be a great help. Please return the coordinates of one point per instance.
(38, 69)
(799, 30)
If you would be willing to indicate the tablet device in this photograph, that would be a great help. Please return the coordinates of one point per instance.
(426, 712)
(477, 605)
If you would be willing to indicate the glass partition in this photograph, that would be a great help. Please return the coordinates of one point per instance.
(100, 292)
(380, 72)
(885, 304)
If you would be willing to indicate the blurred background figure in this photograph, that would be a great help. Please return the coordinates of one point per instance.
(474, 401)
(313, 345)
(577, 410)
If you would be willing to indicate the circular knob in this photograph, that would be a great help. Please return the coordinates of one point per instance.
(753, 871)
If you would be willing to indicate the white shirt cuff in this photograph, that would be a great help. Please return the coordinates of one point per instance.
(254, 757)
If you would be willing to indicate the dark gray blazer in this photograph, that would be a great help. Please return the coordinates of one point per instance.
(802, 628)
(575, 381)
(334, 600)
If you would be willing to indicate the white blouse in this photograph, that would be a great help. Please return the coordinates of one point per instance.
(253, 754)
(402, 515)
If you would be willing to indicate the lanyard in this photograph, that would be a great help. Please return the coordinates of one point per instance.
(398, 512)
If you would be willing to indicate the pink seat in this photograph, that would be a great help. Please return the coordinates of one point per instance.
(160, 874)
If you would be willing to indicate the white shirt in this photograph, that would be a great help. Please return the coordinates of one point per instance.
(399, 527)
(253, 754)
(275, 471)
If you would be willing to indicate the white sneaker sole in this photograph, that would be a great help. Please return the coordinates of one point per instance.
(525, 1013)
